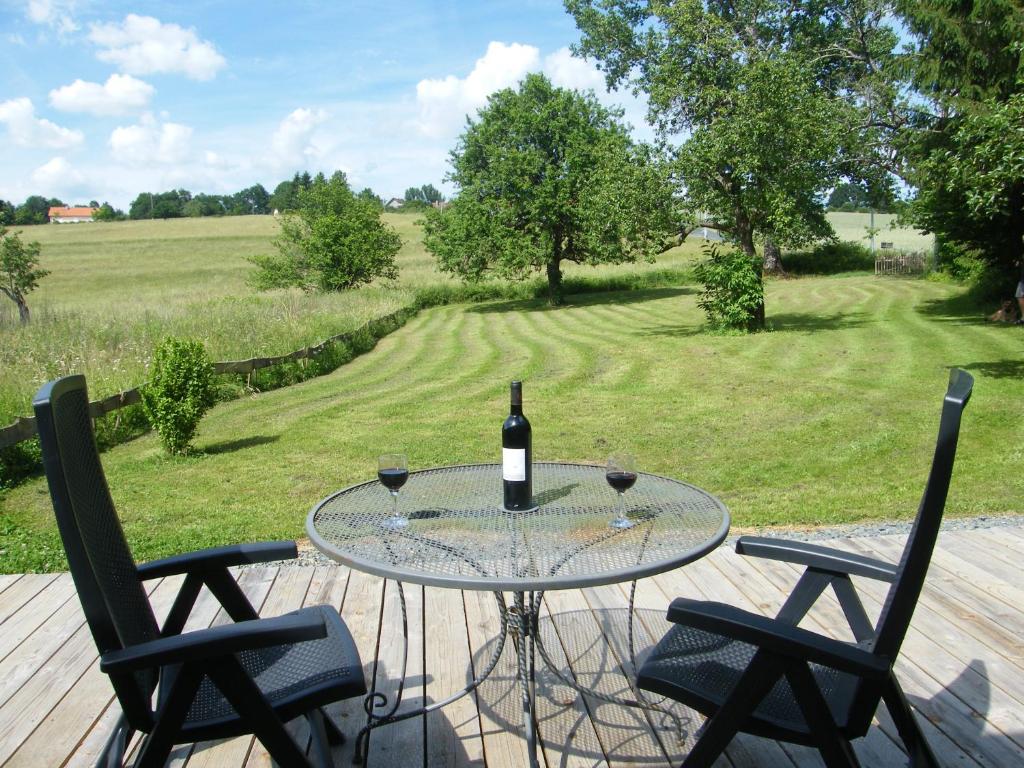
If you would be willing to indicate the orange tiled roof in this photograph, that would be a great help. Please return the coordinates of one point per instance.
(62, 211)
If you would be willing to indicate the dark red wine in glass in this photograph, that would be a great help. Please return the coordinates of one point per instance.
(621, 481)
(393, 478)
(393, 471)
(621, 475)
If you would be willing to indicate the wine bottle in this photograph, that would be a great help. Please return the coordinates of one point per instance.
(517, 455)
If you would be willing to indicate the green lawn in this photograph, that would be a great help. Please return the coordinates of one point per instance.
(828, 418)
(116, 289)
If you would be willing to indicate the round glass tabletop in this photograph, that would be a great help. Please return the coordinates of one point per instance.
(459, 535)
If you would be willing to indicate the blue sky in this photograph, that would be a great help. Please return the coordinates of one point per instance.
(105, 100)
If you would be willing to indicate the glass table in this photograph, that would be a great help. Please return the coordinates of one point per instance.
(460, 537)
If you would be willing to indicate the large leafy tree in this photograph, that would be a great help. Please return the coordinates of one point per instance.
(964, 147)
(547, 175)
(333, 241)
(20, 272)
(769, 103)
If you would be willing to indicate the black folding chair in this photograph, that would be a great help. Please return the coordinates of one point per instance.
(768, 677)
(248, 677)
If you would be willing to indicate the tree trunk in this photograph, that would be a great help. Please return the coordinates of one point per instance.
(554, 282)
(745, 234)
(772, 259)
(22, 308)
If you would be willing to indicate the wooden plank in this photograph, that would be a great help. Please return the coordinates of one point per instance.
(361, 611)
(986, 619)
(330, 586)
(453, 733)
(969, 548)
(564, 719)
(498, 697)
(997, 544)
(23, 622)
(43, 702)
(702, 580)
(21, 592)
(287, 593)
(401, 742)
(6, 579)
(940, 647)
(826, 617)
(24, 663)
(625, 734)
(876, 747)
(916, 669)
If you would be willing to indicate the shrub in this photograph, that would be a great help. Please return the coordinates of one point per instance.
(733, 290)
(179, 391)
(831, 259)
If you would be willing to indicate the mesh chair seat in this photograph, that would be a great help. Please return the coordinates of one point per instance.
(293, 677)
(701, 669)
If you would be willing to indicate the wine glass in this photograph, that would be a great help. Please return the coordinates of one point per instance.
(621, 474)
(393, 471)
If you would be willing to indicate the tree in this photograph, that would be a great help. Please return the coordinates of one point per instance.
(20, 272)
(964, 147)
(107, 212)
(777, 101)
(369, 196)
(333, 241)
(35, 210)
(7, 211)
(547, 175)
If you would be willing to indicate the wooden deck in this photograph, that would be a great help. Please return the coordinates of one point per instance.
(962, 664)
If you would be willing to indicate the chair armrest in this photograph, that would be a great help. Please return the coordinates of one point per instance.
(218, 557)
(777, 636)
(216, 642)
(816, 556)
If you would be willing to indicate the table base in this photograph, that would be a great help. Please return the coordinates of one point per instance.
(522, 623)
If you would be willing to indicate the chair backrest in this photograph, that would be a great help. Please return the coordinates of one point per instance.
(894, 619)
(113, 599)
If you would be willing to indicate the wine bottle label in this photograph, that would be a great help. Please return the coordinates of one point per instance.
(513, 464)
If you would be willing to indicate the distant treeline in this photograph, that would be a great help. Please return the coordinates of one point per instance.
(180, 203)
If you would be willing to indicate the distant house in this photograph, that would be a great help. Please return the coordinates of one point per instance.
(62, 215)
(394, 202)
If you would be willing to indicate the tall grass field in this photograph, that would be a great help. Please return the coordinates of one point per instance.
(829, 417)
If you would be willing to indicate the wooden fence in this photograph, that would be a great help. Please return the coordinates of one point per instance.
(896, 263)
(24, 428)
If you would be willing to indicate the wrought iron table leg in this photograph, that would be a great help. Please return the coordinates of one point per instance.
(376, 700)
(641, 702)
(525, 636)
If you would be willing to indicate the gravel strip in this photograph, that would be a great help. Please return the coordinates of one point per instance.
(310, 556)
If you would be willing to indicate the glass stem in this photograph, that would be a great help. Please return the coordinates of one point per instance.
(622, 505)
(394, 504)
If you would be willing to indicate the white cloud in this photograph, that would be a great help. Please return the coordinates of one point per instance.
(151, 141)
(444, 104)
(120, 94)
(142, 45)
(55, 14)
(293, 141)
(568, 71)
(58, 172)
(27, 130)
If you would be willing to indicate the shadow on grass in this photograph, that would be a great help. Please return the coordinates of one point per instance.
(796, 321)
(962, 309)
(230, 446)
(583, 300)
(781, 323)
(997, 369)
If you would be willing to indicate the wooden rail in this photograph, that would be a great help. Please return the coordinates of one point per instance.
(24, 427)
